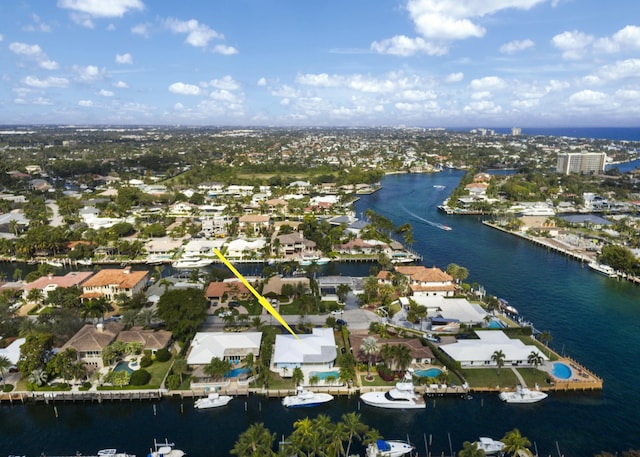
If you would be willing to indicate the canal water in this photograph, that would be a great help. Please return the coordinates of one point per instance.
(591, 318)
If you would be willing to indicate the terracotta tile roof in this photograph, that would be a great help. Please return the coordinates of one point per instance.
(73, 278)
(422, 274)
(92, 338)
(418, 351)
(254, 218)
(218, 289)
(124, 279)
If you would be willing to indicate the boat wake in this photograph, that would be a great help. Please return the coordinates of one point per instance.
(428, 222)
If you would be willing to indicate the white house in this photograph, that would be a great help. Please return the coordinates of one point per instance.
(225, 346)
(478, 353)
(316, 351)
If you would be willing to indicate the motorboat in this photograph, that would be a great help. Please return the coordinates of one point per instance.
(191, 262)
(386, 448)
(489, 446)
(165, 449)
(306, 399)
(402, 396)
(212, 400)
(113, 453)
(522, 395)
(85, 262)
(605, 270)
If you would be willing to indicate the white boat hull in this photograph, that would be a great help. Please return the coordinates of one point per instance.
(387, 448)
(212, 402)
(379, 400)
(523, 395)
(489, 446)
(306, 399)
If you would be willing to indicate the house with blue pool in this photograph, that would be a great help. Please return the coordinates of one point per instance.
(314, 352)
(232, 347)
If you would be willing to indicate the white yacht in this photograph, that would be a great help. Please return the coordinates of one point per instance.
(306, 399)
(489, 446)
(191, 262)
(402, 396)
(387, 448)
(523, 395)
(212, 400)
(603, 269)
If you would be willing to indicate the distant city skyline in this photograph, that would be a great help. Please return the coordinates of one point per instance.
(414, 63)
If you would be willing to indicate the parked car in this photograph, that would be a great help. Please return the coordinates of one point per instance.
(233, 304)
(341, 322)
(337, 312)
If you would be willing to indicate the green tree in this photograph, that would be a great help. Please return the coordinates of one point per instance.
(353, 427)
(470, 450)
(370, 350)
(297, 376)
(35, 352)
(514, 442)
(535, 359)
(498, 357)
(37, 377)
(183, 311)
(256, 441)
(217, 368)
(5, 364)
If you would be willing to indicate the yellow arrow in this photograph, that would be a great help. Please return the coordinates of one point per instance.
(263, 301)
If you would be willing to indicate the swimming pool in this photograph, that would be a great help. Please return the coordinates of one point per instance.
(236, 372)
(123, 365)
(495, 323)
(561, 370)
(323, 375)
(428, 373)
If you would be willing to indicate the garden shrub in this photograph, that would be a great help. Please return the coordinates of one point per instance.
(145, 361)
(140, 378)
(163, 355)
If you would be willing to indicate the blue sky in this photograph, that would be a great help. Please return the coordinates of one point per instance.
(427, 63)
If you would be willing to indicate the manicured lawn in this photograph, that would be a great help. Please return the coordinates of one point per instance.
(482, 377)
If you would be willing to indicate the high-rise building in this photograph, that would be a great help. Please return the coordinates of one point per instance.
(581, 162)
(515, 131)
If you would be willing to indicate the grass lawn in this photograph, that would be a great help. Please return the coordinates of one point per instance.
(158, 370)
(483, 377)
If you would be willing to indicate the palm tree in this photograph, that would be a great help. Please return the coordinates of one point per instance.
(498, 358)
(314, 379)
(37, 377)
(297, 376)
(535, 359)
(353, 426)
(5, 364)
(402, 356)
(370, 349)
(256, 322)
(256, 441)
(545, 337)
(179, 366)
(250, 363)
(470, 450)
(514, 442)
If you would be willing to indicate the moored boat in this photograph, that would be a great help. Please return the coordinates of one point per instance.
(213, 400)
(388, 448)
(489, 445)
(522, 395)
(165, 449)
(402, 396)
(605, 270)
(191, 262)
(306, 399)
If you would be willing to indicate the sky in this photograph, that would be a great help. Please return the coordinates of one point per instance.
(355, 63)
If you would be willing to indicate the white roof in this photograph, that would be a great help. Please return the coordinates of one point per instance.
(480, 351)
(12, 352)
(319, 347)
(207, 345)
(452, 308)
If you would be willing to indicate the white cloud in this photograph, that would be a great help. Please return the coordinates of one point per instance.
(516, 46)
(38, 25)
(404, 46)
(481, 95)
(32, 81)
(487, 83)
(629, 36)
(587, 97)
(454, 77)
(224, 50)
(141, 29)
(198, 35)
(439, 22)
(106, 93)
(101, 8)
(629, 68)
(417, 95)
(35, 52)
(483, 107)
(184, 89)
(226, 83)
(574, 45)
(224, 96)
(262, 82)
(121, 85)
(85, 103)
(124, 58)
(88, 73)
